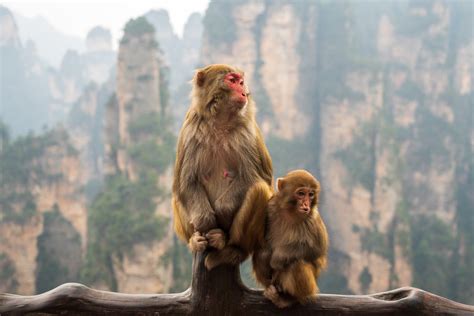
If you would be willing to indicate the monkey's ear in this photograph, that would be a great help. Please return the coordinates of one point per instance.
(200, 77)
(280, 184)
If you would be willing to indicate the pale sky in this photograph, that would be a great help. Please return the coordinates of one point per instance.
(78, 17)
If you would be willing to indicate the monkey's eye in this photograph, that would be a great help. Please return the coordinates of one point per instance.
(300, 193)
(232, 79)
(311, 195)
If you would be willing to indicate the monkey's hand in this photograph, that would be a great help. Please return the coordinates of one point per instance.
(216, 238)
(197, 243)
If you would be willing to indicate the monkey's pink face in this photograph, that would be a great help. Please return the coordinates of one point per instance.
(239, 93)
(305, 197)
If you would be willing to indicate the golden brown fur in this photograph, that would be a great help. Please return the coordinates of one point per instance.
(223, 172)
(296, 242)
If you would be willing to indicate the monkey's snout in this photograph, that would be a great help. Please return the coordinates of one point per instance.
(304, 209)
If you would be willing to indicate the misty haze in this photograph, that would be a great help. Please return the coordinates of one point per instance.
(375, 98)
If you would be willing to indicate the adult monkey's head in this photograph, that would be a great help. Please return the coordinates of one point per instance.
(221, 90)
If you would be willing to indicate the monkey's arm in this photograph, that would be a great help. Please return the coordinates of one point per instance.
(266, 168)
(284, 256)
(201, 214)
(281, 258)
(190, 192)
(322, 238)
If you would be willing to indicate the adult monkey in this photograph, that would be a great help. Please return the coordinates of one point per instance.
(223, 172)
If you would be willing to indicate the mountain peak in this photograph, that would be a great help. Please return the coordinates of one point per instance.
(8, 28)
(99, 39)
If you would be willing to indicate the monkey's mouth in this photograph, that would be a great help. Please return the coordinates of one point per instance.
(304, 210)
(240, 101)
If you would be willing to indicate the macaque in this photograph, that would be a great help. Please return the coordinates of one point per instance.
(296, 242)
(223, 171)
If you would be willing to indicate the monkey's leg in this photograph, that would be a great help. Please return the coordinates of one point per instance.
(298, 281)
(247, 230)
(261, 266)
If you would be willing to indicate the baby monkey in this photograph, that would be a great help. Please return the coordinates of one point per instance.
(296, 242)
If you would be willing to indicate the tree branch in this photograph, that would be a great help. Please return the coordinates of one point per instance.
(221, 292)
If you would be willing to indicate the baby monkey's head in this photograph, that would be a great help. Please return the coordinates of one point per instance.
(299, 191)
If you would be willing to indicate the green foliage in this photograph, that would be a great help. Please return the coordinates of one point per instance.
(333, 61)
(410, 91)
(154, 150)
(182, 265)
(21, 167)
(402, 233)
(59, 252)
(219, 22)
(122, 215)
(4, 136)
(8, 273)
(358, 157)
(138, 26)
(365, 279)
(376, 242)
(407, 24)
(165, 74)
(288, 154)
(332, 280)
(432, 249)
(430, 137)
(259, 93)
(146, 77)
(461, 18)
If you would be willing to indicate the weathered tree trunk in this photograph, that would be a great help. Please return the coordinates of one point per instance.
(221, 292)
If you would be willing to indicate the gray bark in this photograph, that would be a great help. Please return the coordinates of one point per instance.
(221, 292)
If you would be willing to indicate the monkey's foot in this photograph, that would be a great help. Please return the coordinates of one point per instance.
(197, 243)
(228, 255)
(216, 238)
(272, 294)
(308, 300)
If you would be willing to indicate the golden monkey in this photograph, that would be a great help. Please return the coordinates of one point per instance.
(223, 172)
(296, 242)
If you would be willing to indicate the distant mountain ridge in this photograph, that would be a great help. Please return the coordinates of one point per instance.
(50, 42)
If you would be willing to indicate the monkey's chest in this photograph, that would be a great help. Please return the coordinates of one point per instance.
(218, 181)
(223, 175)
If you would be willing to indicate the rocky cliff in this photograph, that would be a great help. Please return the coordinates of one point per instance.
(112, 169)
(376, 99)
(33, 94)
(40, 198)
(131, 236)
(180, 55)
(256, 36)
(24, 93)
